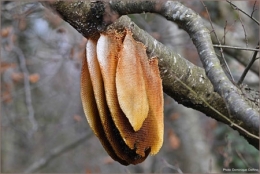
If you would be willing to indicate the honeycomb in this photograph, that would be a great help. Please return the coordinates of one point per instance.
(122, 97)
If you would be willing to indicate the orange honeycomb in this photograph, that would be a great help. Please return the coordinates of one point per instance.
(122, 97)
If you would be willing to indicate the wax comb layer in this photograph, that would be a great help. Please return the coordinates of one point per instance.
(130, 84)
(111, 132)
(122, 96)
(91, 111)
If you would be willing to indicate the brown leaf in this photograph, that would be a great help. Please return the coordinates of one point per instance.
(34, 78)
(22, 24)
(17, 77)
(175, 116)
(6, 97)
(77, 118)
(174, 141)
(6, 65)
(5, 31)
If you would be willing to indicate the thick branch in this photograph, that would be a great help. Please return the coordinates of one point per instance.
(237, 105)
(182, 80)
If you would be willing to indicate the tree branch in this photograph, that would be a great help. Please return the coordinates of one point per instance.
(222, 59)
(182, 80)
(248, 66)
(250, 16)
(241, 56)
(237, 105)
(236, 48)
(27, 88)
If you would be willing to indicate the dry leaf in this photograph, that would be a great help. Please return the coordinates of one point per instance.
(34, 78)
(17, 77)
(175, 116)
(6, 65)
(173, 140)
(5, 31)
(77, 118)
(6, 97)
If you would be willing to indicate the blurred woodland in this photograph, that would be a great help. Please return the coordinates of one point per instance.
(43, 126)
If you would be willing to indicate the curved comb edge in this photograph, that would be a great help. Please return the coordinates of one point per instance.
(91, 112)
(155, 97)
(157, 103)
(130, 84)
(114, 137)
(135, 140)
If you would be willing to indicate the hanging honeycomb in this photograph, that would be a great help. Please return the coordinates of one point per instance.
(122, 97)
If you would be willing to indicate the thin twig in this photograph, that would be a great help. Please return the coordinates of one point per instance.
(226, 31)
(239, 55)
(54, 153)
(251, 17)
(237, 48)
(222, 60)
(171, 166)
(248, 66)
(27, 88)
(242, 158)
(23, 67)
(224, 37)
(254, 9)
(240, 19)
